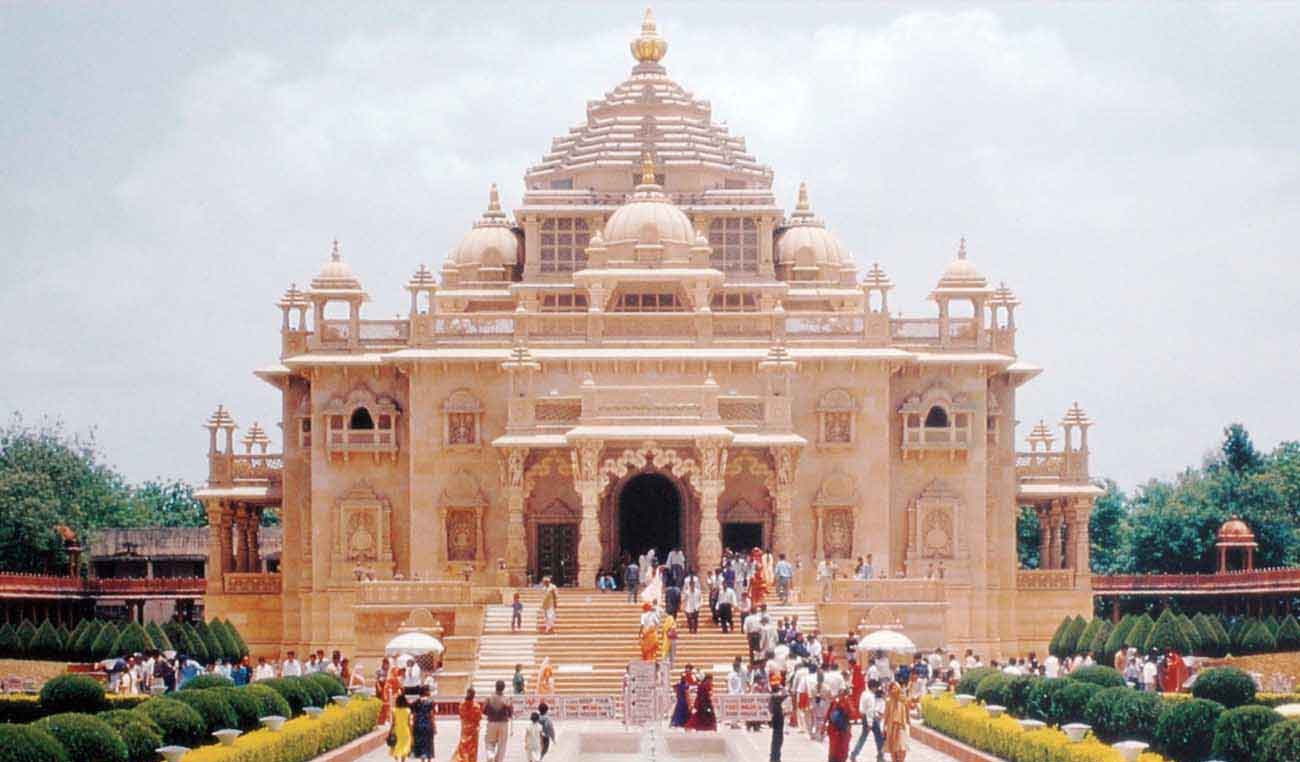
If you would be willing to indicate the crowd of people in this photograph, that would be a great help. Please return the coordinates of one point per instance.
(154, 672)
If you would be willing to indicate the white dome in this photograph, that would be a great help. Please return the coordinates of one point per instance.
(335, 274)
(491, 242)
(960, 276)
(807, 242)
(649, 218)
(809, 246)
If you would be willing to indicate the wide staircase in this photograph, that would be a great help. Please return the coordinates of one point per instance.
(596, 636)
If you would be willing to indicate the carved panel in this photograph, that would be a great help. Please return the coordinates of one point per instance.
(363, 528)
(837, 533)
(934, 520)
(837, 428)
(462, 534)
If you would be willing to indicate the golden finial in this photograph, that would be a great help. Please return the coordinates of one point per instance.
(649, 47)
(961, 248)
(647, 169)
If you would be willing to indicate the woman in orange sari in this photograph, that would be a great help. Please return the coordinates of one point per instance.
(389, 689)
(471, 714)
(758, 581)
(545, 678)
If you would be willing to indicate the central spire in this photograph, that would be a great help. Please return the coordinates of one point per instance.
(649, 47)
(647, 169)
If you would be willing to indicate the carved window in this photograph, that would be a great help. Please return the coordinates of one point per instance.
(464, 419)
(564, 303)
(648, 302)
(734, 241)
(734, 302)
(835, 414)
(363, 422)
(304, 432)
(564, 244)
(937, 421)
(937, 418)
(462, 534)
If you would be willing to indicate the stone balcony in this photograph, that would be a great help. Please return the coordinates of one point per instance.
(251, 583)
(1045, 579)
(413, 592)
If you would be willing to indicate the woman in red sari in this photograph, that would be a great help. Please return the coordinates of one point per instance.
(839, 721)
(471, 714)
(758, 580)
(389, 689)
(704, 717)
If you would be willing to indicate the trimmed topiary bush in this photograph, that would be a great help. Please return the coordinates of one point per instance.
(158, 637)
(1273, 624)
(1186, 729)
(132, 640)
(317, 696)
(1115, 641)
(1288, 635)
(209, 680)
(1098, 643)
(238, 637)
(229, 648)
(210, 642)
(1210, 644)
(1040, 700)
(1137, 634)
(26, 631)
(82, 645)
(194, 645)
(994, 689)
(328, 683)
(1221, 635)
(102, 648)
(212, 706)
(72, 693)
(1070, 642)
(291, 690)
(180, 723)
(1238, 732)
(1117, 714)
(1099, 675)
(1084, 644)
(269, 701)
(1258, 639)
(245, 705)
(1054, 645)
(1194, 644)
(970, 679)
(140, 734)
(1070, 703)
(1280, 743)
(85, 737)
(1167, 635)
(1229, 686)
(28, 743)
(9, 641)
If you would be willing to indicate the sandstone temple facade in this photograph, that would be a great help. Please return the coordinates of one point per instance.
(649, 352)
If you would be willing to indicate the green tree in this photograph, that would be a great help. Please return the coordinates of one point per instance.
(1027, 538)
(1108, 532)
(168, 504)
(1167, 635)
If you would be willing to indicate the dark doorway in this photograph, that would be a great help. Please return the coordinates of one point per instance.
(557, 552)
(742, 536)
(649, 516)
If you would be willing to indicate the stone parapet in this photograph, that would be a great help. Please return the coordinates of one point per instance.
(414, 592)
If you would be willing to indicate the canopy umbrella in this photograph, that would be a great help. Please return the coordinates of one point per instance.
(887, 640)
(414, 644)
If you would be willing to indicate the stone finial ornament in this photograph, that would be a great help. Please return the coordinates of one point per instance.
(649, 47)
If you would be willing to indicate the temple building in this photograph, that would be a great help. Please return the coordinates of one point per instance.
(650, 351)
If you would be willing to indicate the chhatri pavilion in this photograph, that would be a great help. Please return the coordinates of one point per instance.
(650, 351)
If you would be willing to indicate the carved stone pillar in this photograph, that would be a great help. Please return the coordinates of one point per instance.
(1079, 537)
(786, 461)
(219, 545)
(1054, 521)
(516, 556)
(586, 480)
(713, 464)
(1044, 538)
(241, 538)
(255, 540)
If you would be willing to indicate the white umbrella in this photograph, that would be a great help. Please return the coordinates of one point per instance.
(414, 643)
(887, 640)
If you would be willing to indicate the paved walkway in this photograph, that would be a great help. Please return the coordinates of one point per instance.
(798, 748)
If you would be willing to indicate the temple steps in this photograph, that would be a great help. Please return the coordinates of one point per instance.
(595, 637)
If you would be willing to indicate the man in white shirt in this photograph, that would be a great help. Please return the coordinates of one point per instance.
(752, 626)
(411, 683)
(264, 670)
(771, 636)
(1051, 666)
(291, 666)
(1149, 672)
(726, 604)
(677, 565)
(825, 575)
(871, 708)
(954, 667)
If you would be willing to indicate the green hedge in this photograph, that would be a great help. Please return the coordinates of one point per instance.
(299, 740)
(208, 680)
(994, 689)
(1238, 732)
(270, 702)
(27, 743)
(1117, 714)
(72, 693)
(46, 642)
(1185, 729)
(1281, 742)
(970, 679)
(211, 705)
(1070, 703)
(9, 646)
(85, 737)
(140, 734)
(246, 706)
(1167, 635)
(1099, 675)
(102, 648)
(180, 723)
(1229, 686)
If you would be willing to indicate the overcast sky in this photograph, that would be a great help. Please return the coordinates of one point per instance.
(1132, 171)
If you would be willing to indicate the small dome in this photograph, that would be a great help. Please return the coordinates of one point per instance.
(335, 274)
(807, 242)
(650, 217)
(491, 242)
(1234, 529)
(960, 275)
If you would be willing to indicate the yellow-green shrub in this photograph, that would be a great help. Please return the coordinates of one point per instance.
(299, 740)
(1005, 738)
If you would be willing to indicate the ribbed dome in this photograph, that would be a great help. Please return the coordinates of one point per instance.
(491, 242)
(335, 274)
(807, 242)
(649, 217)
(961, 275)
(1235, 529)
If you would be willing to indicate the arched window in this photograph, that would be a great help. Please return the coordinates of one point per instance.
(361, 420)
(937, 418)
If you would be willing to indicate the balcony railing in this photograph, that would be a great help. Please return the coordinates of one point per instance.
(1284, 579)
(251, 583)
(36, 585)
(362, 440)
(415, 591)
(1045, 579)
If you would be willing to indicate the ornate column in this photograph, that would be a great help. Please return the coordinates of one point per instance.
(254, 539)
(786, 462)
(516, 547)
(713, 463)
(220, 553)
(1054, 536)
(1081, 558)
(586, 480)
(1044, 538)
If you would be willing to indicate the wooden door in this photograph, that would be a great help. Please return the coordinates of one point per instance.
(557, 552)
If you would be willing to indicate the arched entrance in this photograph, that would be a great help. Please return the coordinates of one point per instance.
(649, 515)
